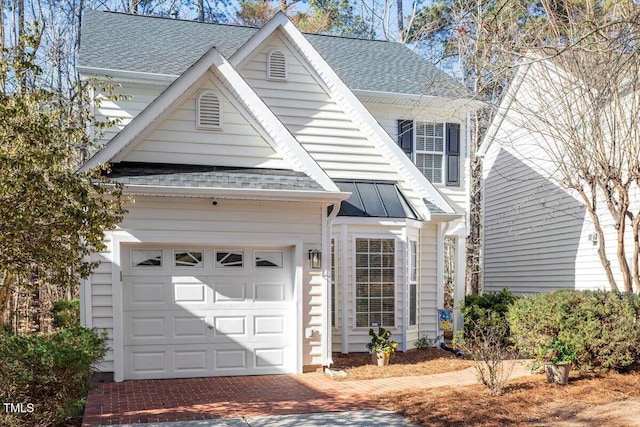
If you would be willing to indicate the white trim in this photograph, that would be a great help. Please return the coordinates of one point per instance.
(235, 193)
(116, 292)
(459, 287)
(427, 100)
(442, 230)
(405, 288)
(126, 75)
(387, 222)
(344, 248)
(297, 298)
(352, 106)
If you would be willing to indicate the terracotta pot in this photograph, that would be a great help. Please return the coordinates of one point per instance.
(380, 358)
(558, 373)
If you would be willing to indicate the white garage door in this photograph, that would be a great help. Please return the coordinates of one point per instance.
(192, 312)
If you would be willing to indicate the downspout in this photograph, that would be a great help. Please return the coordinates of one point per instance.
(327, 342)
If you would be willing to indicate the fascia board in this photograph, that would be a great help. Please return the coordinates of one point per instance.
(125, 75)
(237, 193)
(463, 104)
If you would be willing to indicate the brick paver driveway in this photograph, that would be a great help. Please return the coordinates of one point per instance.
(145, 401)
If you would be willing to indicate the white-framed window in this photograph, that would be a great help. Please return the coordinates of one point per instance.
(146, 258)
(276, 65)
(375, 282)
(209, 111)
(188, 259)
(229, 259)
(413, 282)
(430, 150)
(268, 259)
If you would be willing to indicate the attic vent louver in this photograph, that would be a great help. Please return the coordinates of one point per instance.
(276, 66)
(209, 112)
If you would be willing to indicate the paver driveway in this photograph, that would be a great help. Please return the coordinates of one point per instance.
(144, 401)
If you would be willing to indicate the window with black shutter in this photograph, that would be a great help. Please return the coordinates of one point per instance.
(405, 136)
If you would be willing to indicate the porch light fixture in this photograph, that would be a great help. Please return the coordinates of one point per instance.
(314, 258)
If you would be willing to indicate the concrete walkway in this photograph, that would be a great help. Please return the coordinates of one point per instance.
(150, 401)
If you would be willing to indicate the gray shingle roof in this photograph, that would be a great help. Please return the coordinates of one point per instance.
(193, 176)
(120, 41)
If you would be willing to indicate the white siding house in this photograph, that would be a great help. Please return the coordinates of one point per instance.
(276, 211)
(538, 235)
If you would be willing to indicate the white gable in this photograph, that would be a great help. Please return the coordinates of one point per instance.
(238, 143)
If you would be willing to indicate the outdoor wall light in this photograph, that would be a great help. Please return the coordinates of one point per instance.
(314, 258)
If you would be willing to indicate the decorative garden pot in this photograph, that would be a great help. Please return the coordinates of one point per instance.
(380, 358)
(558, 373)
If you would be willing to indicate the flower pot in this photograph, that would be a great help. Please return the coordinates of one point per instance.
(558, 373)
(380, 358)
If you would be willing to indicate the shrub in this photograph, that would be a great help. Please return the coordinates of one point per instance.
(51, 372)
(494, 357)
(425, 342)
(487, 311)
(602, 327)
(66, 313)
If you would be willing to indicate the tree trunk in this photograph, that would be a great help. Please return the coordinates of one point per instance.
(134, 7)
(6, 285)
(201, 10)
(602, 253)
(635, 223)
(400, 22)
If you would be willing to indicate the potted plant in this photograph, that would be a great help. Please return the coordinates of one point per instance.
(381, 347)
(557, 359)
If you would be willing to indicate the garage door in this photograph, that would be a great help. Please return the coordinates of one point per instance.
(190, 312)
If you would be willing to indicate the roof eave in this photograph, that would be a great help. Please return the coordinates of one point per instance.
(235, 193)
(87, 72)
(464, 103)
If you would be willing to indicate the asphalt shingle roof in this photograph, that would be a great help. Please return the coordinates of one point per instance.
(193, 176)
(118, 41)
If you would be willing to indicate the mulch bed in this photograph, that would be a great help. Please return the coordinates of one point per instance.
(414, 362)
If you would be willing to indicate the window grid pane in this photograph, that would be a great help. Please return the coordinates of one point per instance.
(375, 282)
(430, 150)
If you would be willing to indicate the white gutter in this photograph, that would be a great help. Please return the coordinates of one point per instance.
(125, 74)
(236, 193)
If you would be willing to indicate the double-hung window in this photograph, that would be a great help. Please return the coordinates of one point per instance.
(434, 148)
(429, 152)
(375, 282)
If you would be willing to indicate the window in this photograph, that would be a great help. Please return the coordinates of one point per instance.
(209, 111)
(375, 282)
(434, 148)
(146, 258)
(413, 282)
(229, 259)
(268, 259)
(276, 65)
(188, 259)
(430, 150)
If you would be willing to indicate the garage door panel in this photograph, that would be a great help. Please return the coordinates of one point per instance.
(189, 322)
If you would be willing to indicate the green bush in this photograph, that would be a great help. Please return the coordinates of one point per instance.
(486, 311)
(602, 327)
(66, 313)
(50, 372)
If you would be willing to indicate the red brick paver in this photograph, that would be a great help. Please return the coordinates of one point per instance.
(224, 397)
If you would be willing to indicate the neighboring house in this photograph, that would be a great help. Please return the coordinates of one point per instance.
(538, 235)
(275, 216)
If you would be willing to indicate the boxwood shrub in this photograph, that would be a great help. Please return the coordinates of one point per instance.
(603, 327)
(487, 311)
(47, 374)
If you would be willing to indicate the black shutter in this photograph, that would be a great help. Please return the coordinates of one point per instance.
(453, 154)
(405, 136)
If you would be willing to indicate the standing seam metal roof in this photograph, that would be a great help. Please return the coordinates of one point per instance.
(118, 41)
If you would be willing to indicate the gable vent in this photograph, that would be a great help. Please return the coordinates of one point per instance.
(209, 111)
(276, 66)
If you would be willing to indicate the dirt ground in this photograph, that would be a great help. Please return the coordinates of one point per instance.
(414, 362)
(611, 400)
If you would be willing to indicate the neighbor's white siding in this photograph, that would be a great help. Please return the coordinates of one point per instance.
(238, 143)
(536, 232)
(179, 219)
